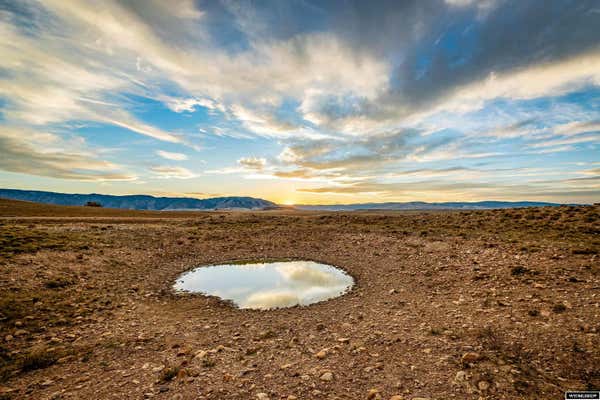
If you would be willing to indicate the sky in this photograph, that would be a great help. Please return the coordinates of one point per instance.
(312, 102)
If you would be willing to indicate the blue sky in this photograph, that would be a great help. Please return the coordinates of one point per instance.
(303, 101)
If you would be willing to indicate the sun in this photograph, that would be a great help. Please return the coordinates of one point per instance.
(288, 202)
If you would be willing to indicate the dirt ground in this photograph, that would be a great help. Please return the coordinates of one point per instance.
(497, 304)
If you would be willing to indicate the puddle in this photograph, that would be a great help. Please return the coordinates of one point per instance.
(269, 285)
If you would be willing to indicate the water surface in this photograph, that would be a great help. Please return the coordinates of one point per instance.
(267, 285)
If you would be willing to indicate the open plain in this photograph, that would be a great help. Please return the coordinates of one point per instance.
(493, 304)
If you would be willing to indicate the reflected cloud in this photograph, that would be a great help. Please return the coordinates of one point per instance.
(268, 285)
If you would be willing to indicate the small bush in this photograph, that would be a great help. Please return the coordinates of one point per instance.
(38, 358)
(519, 271)
(168, 373)
(559, 308)
(58, 283)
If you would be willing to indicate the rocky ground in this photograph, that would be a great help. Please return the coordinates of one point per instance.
(469, 305)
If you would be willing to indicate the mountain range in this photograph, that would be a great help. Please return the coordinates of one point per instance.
(138, 202)
(146, 202)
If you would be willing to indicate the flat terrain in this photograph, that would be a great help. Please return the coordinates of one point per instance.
(491, 304)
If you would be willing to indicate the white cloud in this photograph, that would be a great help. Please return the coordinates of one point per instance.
(171, 156)
(576, 128)
(47, 154)
(253, 163)
(164, 171)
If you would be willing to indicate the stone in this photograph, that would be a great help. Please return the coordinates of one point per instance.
(470, 357)
(483, 385)
(326, 376)
(200, 354)
(396, 397)
(262, 396)
(461, 376)
(20, 332)
(373, 394)
(321, 354)
(8, 338)
(182, 373)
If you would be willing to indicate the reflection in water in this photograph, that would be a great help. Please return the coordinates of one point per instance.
(267, 285)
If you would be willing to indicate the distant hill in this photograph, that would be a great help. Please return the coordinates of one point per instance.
(138, 202)
(419, 205)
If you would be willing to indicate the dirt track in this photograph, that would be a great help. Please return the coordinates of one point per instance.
(486, 304)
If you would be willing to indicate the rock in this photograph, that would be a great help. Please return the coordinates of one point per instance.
(421, 398)
(343, 340)
(292, 397)
(177, 396)
(483, 385)
(461, 376)
(470, 357)
(321, 354)
(326, 376)
(20, 332)
(373, 394)
(392, 291)
(182, 373)
(262, 396)
(8, 338)
(200, 354)
(396, 397)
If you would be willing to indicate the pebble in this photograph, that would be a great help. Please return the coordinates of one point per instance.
(326, 376)
(262, 396)
(470, 357)
(461, 376)
(8, 338)
(321, 354)
(396, 397)
(373, 394)
(483, 385)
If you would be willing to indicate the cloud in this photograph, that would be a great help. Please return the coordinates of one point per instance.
(44, 154)
(252, 163)
(171, 156)
(576, 128)
(165, 171)
(346, 92)
(271, 299)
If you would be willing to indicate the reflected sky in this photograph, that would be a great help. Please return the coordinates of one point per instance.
(267, 285)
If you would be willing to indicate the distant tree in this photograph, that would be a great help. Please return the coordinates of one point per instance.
(93, 204)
